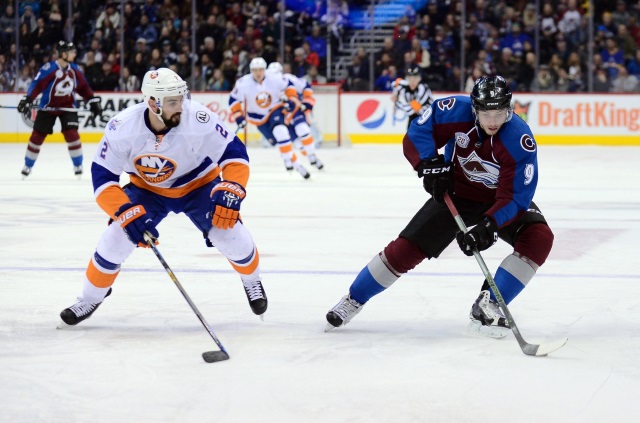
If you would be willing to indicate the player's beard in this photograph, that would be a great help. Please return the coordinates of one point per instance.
(173, 121)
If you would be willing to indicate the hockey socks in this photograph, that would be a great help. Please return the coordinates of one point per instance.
(374, 278)
(512, 276)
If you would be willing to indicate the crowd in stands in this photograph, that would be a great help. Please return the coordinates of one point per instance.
(498, 39)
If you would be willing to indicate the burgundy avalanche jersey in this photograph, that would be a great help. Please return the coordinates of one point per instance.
(58, 86)
(500, 169)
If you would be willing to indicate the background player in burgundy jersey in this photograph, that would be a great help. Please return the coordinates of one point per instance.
(489, 167)
(58, 81)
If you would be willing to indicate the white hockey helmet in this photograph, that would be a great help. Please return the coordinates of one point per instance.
(275, 67)
(161, 83)
(257, 63)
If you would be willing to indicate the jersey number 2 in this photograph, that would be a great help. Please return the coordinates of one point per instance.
(222, 131)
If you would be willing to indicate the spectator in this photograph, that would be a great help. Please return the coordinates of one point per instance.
(634, 64)
(313, 77)
(111, 14)
(129, 82)
(515, 40)
(7, 25)
(311, 57)
(138, 66)
(601, 82)
(620, 15)
(218, 82)
(562, 81)
(318, 43)
(385, 81)
(107, 80)
(146, 30)
(299, 66)
(507, 67)
(570, 18)
(543, 82)
(625, 82)
(358, 75)
(576, 71)
(198, 83)
(24, 80)
(28, 18)
(92, 70)
(476, 73)
(612, 56)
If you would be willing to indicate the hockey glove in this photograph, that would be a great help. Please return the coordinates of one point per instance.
(225, 204)
(134, 221)
(241, 122)
(24, 105)
(437, 177)
(481, 236)
(306, 106)
(95, 106)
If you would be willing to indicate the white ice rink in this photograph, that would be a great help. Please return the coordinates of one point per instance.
(405, 358)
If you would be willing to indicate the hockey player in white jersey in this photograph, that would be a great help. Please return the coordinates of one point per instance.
(299, 128)
(181, 158)
(261, 95)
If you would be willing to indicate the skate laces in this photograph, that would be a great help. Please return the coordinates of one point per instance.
(82, 307)
(346, 307)
(254, 290)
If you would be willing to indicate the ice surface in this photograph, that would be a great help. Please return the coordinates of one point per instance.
(405, 358)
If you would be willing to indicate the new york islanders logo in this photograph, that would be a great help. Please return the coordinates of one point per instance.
(522, 110)
(154, 169)
(263, 99)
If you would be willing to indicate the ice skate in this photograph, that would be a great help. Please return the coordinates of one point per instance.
(77, 170)
(486, 317)
(301, 170)
(288, 165)
(257, 297)
(315, 161)
(26, 171)
(80, 311)
(342, 313)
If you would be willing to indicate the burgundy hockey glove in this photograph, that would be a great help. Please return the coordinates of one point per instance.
(437, 177)
(134, 221)
(481, 236)
(225, 204)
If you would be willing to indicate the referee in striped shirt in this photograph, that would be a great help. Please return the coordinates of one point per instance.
(411, 94)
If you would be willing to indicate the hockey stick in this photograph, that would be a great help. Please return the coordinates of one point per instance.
(50, 109)
(208, 356)
(529, 349)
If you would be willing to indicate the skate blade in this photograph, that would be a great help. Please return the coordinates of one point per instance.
(477, 328)
(62, 325)
(329, 327)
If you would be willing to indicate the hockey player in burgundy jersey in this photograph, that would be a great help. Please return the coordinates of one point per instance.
(58, 81)
(489, 167)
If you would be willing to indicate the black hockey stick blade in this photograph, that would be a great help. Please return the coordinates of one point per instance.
(213, 356)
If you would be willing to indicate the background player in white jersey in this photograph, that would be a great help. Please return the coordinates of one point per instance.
(299, 127)
(411, 95)
(58, 81)
(261, 95)
(180, 158)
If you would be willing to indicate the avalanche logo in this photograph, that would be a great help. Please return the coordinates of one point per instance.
(478, 170)
(371, 114)
(154, 169)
